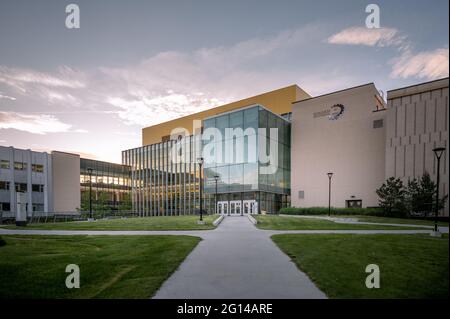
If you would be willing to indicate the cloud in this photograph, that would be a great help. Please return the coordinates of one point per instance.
(423, 65)
(428, 64)
(382, 37)
(18, 77)
(171, 84)
(7, 97)
(37, 124)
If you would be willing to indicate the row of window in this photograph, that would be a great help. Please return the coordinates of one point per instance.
(22, 166)
(6, 207)
(22, 187)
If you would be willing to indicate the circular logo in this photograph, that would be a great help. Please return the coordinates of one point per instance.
(336, 111)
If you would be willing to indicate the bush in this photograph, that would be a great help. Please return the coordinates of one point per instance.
(2, 242)
(374, 211)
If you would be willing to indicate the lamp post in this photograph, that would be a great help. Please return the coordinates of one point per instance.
(216, 178)
(330, 175)
(90, 192)
(200, 164)
(438, 152)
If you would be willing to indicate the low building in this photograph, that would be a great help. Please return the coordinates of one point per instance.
(57, 182)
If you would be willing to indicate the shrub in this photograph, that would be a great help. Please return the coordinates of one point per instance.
(372, 211)
(2, 242)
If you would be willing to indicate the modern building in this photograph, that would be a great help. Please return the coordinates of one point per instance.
(167, 184)
(253, 156)
(417, 122)
(352, 133)
(55, 182)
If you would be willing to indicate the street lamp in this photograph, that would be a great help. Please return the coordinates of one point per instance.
(200, 164)
(216, 178)
(438, 152)
(330, 175)
(90, 192)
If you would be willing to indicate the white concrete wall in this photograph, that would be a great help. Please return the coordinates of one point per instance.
(66, 182)
(350, 147)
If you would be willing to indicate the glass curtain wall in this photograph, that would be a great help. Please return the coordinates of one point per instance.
(111, 185)
(241, 170)
(160, 185)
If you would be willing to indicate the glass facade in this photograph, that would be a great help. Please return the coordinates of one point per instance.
(250, 165)
(111, 186)
(247, 149)
(160, 185)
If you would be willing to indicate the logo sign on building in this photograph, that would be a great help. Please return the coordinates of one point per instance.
(333, 113)
(336, 112)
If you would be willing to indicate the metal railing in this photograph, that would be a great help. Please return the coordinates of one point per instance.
(54, 217)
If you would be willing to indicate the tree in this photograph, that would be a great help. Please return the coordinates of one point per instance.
(125, 203)
(421, 196)
(392, 197)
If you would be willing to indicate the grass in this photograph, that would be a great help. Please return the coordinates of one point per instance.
(110, 266)
(411, 266)
(188, 222)
(297, 223)
(391, 220)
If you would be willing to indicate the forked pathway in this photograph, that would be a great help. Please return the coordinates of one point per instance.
(238, 261)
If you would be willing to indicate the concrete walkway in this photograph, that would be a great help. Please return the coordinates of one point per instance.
(238, 261)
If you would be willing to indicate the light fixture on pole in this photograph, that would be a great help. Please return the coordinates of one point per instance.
(438, 152)
(330, 175)
(200, 164)
(89, 170)
(216, 178)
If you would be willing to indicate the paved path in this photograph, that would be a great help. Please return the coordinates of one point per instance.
(238, 261)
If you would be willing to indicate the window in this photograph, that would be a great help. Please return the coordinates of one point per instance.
(37, 168)
(4, 185)
(353, 203)
(20, 166)
(4, 164)
(378, 123)
(5, 207)
(21, 187)
(37, 188)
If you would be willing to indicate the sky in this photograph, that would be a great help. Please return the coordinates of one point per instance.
(133, 64)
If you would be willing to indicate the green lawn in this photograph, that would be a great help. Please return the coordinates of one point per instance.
(300, 223)
(110, 266)
(411, 266)
(390, 220)
(188, 222)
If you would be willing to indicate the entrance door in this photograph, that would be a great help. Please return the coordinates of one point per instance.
(235, 207)
(250, 206)
(222, 208)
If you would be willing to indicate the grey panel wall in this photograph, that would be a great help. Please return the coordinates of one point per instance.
(417, 122)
